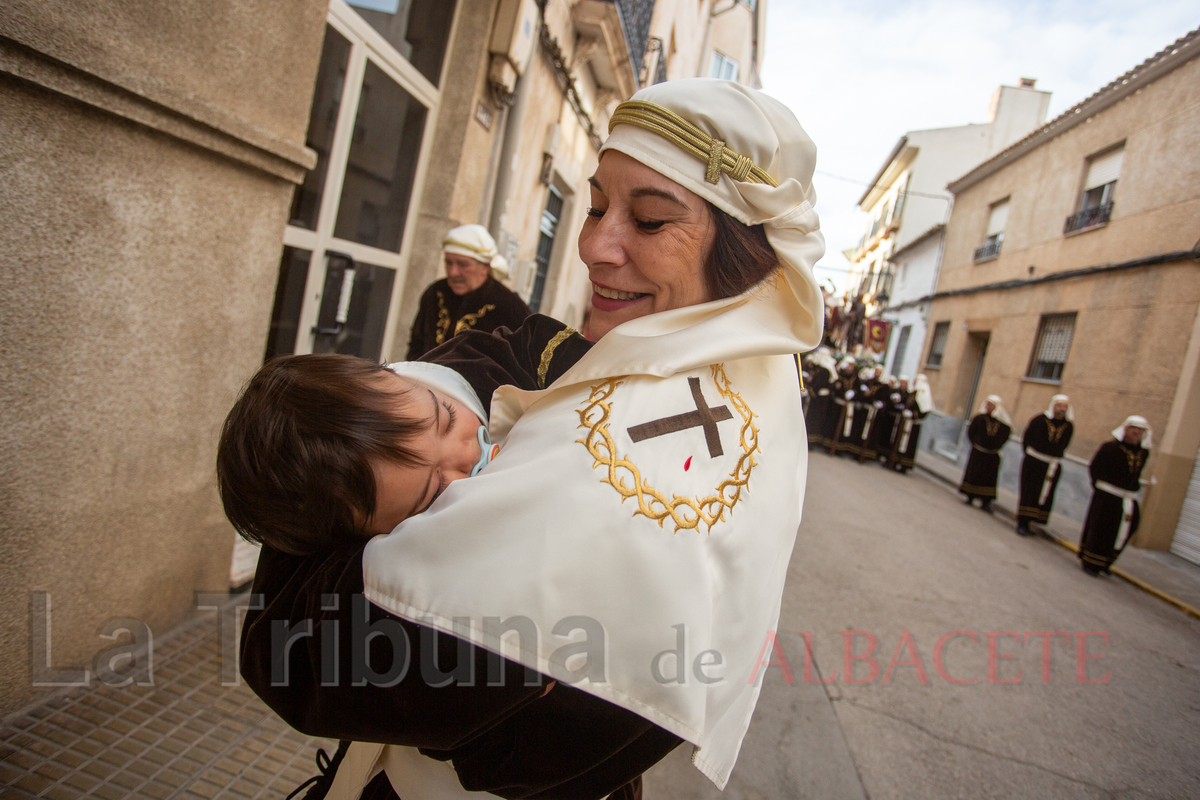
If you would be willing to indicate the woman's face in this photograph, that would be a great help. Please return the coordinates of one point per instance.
(645, 242)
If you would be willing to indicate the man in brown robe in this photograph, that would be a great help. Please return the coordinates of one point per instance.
(469, 297)
(1045, 441)
(1113, 514)
(988, 432)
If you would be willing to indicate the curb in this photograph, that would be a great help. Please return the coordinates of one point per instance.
(1074, 548)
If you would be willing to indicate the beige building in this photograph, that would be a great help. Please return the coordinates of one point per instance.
(1071, 266)
(186, 191)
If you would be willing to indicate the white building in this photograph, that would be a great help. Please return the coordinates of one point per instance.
(896, 262)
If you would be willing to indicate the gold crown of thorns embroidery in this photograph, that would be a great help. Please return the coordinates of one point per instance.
(624, 476)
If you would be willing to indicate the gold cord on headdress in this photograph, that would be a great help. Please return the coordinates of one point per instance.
(674, 128)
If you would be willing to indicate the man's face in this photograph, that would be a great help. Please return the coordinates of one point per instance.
(1060, 410)
(1134, 435)
(464, 274)
(989, 407)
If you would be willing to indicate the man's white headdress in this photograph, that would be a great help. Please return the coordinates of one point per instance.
(998, 412)
(1060, 398)
(1136, 422)
(474, 241)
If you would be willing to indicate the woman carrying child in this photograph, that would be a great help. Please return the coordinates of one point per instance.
(647, 492)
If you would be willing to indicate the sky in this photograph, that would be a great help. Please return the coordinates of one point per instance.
(860, 73)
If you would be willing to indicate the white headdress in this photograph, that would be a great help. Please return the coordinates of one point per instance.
(822, 357)
(999, 412)
(924, 394)
(474, 241)
(1137, 422)
(1070, 417)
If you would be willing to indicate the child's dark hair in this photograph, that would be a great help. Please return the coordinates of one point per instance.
(293, 463)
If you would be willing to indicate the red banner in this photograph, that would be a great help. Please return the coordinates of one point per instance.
(877, 334)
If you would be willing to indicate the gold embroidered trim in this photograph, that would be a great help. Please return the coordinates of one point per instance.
(548, 353)
(443, 323)
(679, 131)
(1055, 432)
(453, 243)
(469, 320)
(687, 513)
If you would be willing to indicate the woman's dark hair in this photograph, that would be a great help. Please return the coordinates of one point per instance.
(293, 462)
(741, 256)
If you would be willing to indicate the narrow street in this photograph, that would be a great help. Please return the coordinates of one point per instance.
(901, 556)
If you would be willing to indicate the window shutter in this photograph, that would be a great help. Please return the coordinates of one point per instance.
(999, 219)
(1056, 339)
(1103, 169)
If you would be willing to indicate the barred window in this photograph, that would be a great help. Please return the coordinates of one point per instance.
(1053, 343)
(938, 346)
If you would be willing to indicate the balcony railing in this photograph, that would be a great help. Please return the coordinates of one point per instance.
(1088, 218)
(989, 250)
(635, 20)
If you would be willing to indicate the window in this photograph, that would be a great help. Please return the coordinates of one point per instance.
(342, 268)
(901, 346)
(1099, 186)
(997, 222)
(1053, 343)
(937, 348)
(547, 230)
(723, 67)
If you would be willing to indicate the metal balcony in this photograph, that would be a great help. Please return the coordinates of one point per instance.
(989, 250)
(1088, 218)
(635, 21)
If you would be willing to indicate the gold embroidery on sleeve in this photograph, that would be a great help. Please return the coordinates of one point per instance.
(548, 353)
(469, 320)
(687, 513)
(443, 323)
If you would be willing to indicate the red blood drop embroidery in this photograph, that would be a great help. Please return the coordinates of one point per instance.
(687, 464)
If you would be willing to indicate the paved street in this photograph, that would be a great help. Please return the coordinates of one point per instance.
(885, 554)
(879, 553)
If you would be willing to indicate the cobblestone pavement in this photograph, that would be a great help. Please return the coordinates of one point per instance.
(185, 736)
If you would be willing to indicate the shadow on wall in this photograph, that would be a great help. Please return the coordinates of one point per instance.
(945, 437)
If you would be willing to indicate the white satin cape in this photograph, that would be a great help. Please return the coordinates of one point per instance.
(541, 534)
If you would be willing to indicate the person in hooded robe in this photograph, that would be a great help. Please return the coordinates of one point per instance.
(1045, 441)
(470, 297)
(873, 391)
(988, 431)
(841, 420)
(1113, 515)
(917, 404)
(890, 399)
(822, 375)
(860, 411)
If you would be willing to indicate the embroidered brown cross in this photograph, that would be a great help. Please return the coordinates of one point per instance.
(703, 417)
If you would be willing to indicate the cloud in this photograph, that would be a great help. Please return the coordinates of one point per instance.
(859, 74)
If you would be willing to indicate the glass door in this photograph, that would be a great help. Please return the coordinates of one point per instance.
(345, 247)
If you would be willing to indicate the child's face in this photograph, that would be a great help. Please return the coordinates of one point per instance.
(449, 447)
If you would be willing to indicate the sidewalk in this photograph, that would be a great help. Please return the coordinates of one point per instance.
(185, 736)
(1166, 572)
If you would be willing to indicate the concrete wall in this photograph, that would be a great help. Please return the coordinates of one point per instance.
(150, 151)
(1130, 338)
